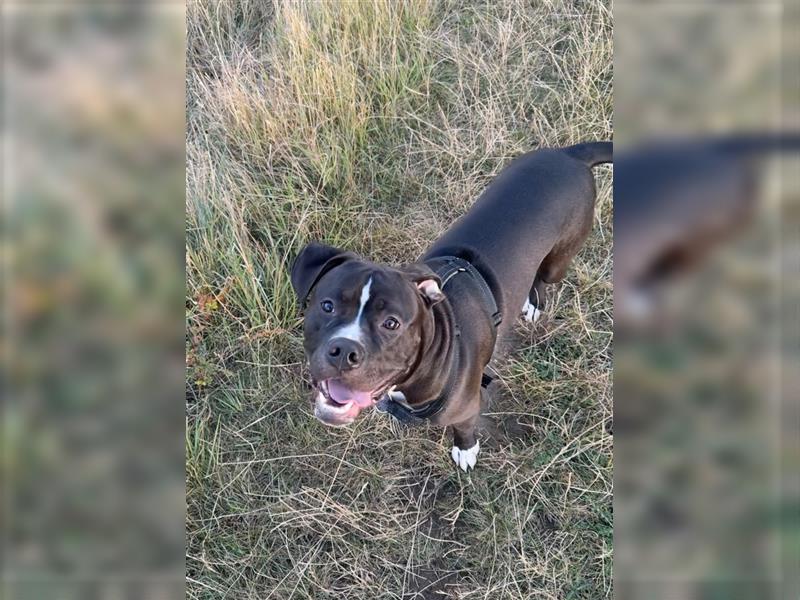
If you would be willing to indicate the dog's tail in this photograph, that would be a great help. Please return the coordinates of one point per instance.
(592, 153)
(754, 144)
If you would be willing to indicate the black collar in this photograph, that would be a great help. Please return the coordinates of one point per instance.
(408, 415)
(445, 267)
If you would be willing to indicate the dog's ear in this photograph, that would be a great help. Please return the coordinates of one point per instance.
(311, 264)
(428, 283)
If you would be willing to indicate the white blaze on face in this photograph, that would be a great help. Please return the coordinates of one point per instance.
(353, 331)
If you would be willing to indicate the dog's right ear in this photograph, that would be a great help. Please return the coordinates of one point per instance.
(428, 283)
(311, 264)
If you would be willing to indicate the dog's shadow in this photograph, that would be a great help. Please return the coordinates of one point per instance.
(502, 422)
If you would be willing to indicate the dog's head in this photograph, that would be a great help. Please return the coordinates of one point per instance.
(364, 326)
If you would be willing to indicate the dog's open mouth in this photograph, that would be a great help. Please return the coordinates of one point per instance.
(338, 395)
(337, 404)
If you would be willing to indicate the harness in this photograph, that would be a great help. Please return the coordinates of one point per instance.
(446, 268)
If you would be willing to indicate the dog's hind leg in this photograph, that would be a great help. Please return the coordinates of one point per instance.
(552, 270)
(534, 303)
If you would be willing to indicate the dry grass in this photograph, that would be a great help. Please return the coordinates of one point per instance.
(372, 125)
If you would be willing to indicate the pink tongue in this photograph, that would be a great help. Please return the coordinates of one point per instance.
(343, 394)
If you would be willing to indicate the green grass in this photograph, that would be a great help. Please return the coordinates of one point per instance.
(372, 125)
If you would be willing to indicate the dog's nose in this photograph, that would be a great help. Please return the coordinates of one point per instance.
(345, 354)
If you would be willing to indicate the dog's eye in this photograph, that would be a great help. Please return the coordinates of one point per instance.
(391, 323)
(326, 306)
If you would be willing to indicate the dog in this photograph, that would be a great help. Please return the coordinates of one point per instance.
(676, 201)
(415, 339)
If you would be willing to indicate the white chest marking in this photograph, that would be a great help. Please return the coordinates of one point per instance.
(397, 396)
(353, 330)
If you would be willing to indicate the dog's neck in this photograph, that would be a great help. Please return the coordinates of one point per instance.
(437, 354)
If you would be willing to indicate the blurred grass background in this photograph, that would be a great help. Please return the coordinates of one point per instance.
(372, 125)
(707, 498)
(430, 100)
(93, 372)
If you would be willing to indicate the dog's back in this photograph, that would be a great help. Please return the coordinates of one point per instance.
(531, 220)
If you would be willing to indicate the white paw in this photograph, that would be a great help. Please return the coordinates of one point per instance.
(530, 313)
(466, 458)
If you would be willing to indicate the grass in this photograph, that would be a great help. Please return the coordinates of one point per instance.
(372, 125)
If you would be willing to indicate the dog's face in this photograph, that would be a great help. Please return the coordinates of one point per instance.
(364, 325)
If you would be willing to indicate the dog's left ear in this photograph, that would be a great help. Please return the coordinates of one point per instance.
(428, 283)
(311, 264)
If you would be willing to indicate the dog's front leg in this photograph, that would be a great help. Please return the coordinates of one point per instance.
(465, 443)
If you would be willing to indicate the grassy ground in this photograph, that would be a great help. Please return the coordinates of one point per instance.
(372, 126)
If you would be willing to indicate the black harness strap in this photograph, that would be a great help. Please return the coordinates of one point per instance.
(405, 413)
(445, 267)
